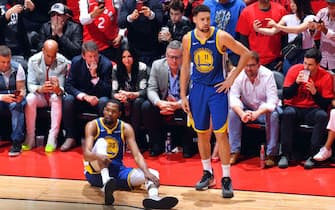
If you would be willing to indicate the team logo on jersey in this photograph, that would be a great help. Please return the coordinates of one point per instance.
(112, 146)
(203, 60)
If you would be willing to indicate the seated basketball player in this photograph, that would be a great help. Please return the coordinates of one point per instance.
(105, 139)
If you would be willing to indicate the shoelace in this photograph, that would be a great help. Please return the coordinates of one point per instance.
(206, 176)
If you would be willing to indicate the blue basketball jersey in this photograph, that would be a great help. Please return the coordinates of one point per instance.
(207, 59)
(114, 139)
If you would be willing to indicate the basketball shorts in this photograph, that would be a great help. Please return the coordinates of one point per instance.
(206, 104)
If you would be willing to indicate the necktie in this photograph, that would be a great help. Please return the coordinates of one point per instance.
(47, 95)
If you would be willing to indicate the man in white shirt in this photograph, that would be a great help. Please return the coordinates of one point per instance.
(253, 97)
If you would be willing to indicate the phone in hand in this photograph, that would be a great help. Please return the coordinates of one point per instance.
(139, 5)
(17, 93)
(101, 3)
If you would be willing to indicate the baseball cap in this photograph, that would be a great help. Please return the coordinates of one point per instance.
(58, 7)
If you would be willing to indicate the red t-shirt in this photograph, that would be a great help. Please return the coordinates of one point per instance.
(268, 47)
(323, 82)
(104, 28)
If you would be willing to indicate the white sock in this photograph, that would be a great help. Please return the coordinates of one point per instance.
(206, 165)
(225, 170)
(152, 189)
(105, 175)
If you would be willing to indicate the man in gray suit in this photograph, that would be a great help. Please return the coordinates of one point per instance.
(163, 106)
(46, 75)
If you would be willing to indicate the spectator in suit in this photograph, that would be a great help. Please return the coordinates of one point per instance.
(164, 102)
(12, 92)
(143, 22)
(129, 86)
(307, 94)
(46, 75)
(253, 97)
(63, 30)
(88, 87)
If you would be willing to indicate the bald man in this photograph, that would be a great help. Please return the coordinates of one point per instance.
(46, 75)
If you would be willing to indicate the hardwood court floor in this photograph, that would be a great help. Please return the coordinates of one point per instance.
(42, 193)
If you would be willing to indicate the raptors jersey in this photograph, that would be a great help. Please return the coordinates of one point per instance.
(207, 59)
(104, 28)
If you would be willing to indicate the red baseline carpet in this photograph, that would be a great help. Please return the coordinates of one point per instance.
(175, 170)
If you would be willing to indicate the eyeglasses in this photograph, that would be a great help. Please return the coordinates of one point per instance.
(172, 57)
(251, 65)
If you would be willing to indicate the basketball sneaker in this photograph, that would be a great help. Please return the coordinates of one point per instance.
(15, 149)
(227, 187)
(160, 202)
(110, 187)
(207, 180)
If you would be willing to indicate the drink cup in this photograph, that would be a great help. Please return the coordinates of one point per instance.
(165, 31)
(306, 75)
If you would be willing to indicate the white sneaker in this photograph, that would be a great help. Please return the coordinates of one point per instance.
(323, 154)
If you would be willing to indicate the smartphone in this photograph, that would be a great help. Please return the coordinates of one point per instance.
(17, 93)
(139, 5)
(101, 2)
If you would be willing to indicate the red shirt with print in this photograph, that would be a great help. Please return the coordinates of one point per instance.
(104, 28)
(268, 47)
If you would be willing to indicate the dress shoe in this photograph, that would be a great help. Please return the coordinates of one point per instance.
(234, 158)
(270, 161)
(68, 144)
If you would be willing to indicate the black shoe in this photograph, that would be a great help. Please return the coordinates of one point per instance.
(110, 187)
(15, 149)
(309, 164)
(227, 187)
(207, 180)
(160, 203)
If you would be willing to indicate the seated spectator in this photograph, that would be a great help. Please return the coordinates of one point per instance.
(88, 87)
(129, 85)
(12, 92)
(46, 75)
(307, 93)
(63, 30)
(253, 98)
(100, 25)
(164, 101)
(13, 33)
(143, 20)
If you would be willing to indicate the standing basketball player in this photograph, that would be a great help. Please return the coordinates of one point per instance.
(207, 104)
(105, 140)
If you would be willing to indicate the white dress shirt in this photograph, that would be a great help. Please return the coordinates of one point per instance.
(260, 94)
